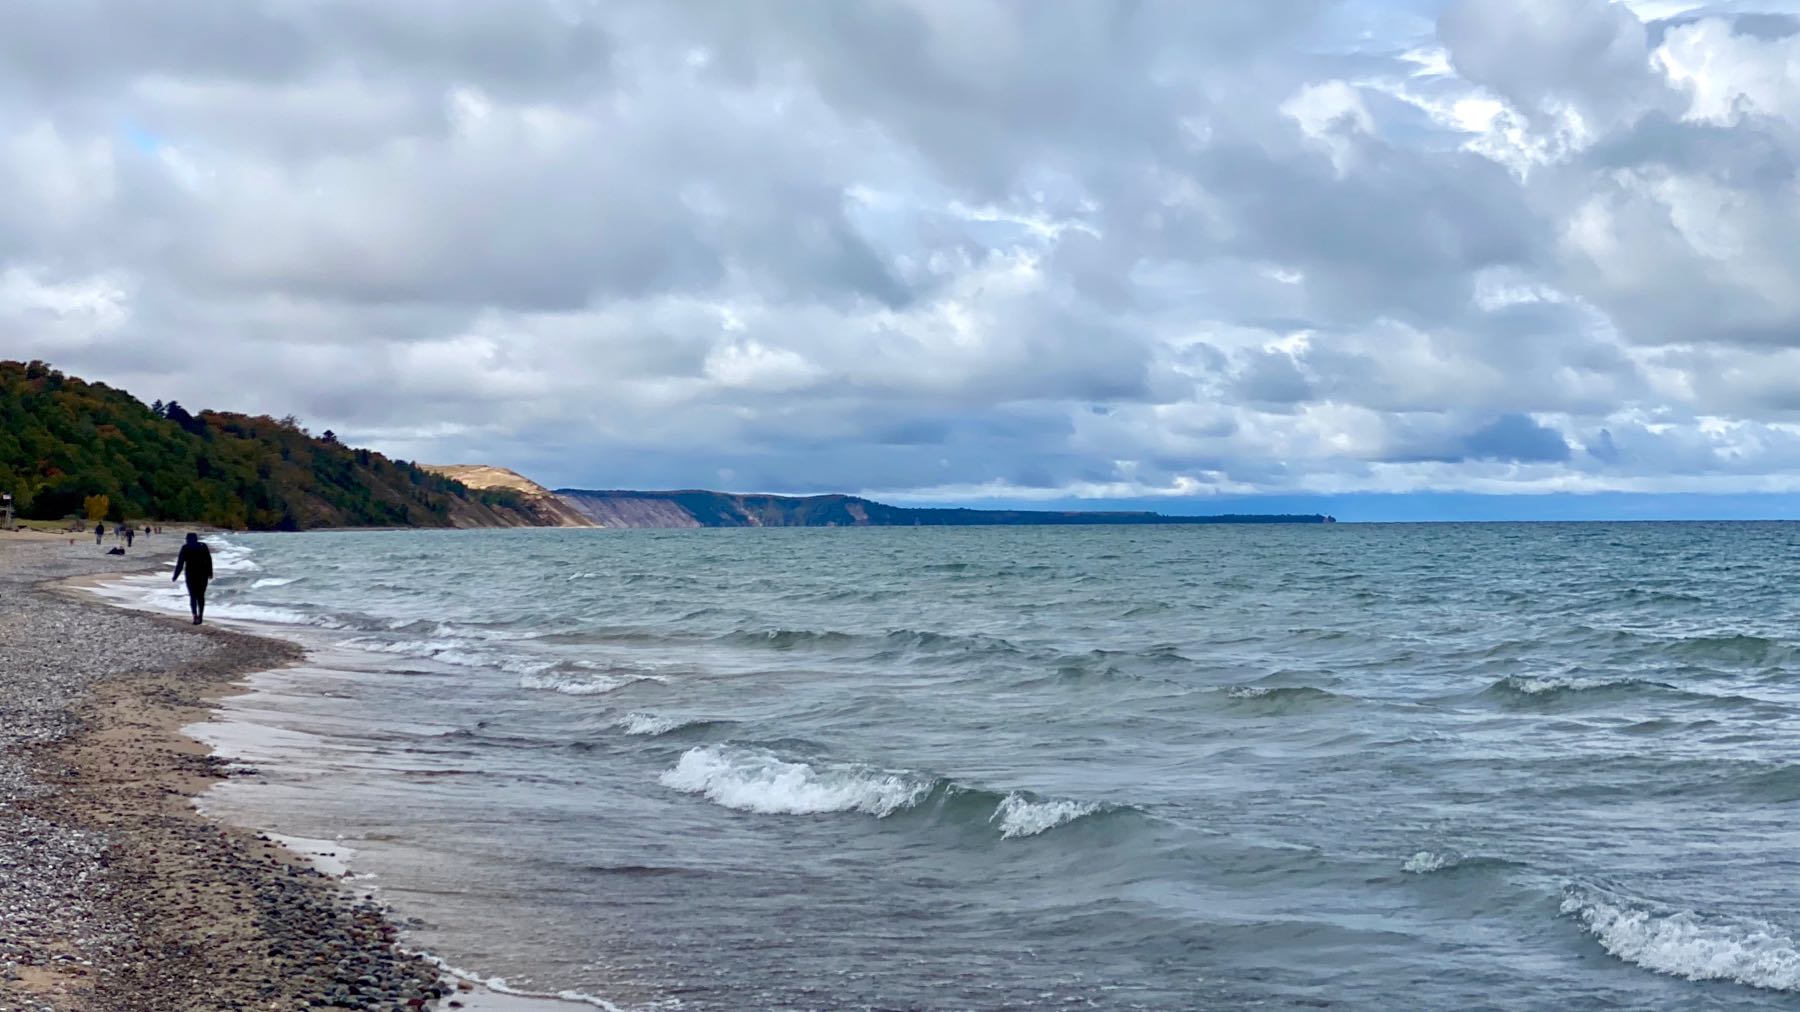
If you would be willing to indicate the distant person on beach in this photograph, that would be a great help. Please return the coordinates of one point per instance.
(99, 533)
(196, 560)
(129, 534)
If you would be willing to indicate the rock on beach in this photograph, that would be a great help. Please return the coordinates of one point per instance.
(115, 893)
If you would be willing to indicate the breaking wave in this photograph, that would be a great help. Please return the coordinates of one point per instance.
(649, 724)
(579, 685)
(1019, 815)
(1550, 687)
(1686, 944)
(754, 781)
(1427, 861)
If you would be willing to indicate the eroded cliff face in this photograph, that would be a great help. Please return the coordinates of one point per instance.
(543, 506)
(624, 510)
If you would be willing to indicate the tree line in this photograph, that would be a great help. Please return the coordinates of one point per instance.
(64, 441)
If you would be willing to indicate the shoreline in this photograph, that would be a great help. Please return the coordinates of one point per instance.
(115, 890)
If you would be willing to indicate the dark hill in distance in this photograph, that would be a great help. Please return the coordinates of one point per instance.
(693, 508)
(63, 440)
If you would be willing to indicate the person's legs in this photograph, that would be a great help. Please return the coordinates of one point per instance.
(197, 599)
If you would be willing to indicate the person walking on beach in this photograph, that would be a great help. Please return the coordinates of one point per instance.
(129, 535)
(99, 532)
(196, 560)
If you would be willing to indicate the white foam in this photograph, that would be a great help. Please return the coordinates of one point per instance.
(229, 557)
(1020, 816)
(753, 781)
(586, 685)
(649, 724)
(451, 650)
(503, 997)
(274, 581)
(1427, 861)
(410, 648)
(1247, 692)
(1533, 686)
(258, 613)
(1684, 944)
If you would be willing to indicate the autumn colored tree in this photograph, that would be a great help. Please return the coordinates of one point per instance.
(70, 447)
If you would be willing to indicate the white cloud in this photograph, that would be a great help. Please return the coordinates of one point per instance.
(934, 249)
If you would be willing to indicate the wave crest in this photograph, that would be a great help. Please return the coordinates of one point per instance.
(755, 781)
(1020, 815)
(1555, 686)
(649, 724)
(584, 685)
(1427, 861)
(1684, 944)
(1278, 699)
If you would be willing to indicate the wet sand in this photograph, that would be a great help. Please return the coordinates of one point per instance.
(115, 893)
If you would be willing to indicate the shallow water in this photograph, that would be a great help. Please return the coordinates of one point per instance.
(1396, 766)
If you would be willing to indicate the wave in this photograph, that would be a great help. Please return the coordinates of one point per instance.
(274, 581)
(261, 613)
(498, 985)
(1427, 861)
(1273, 699)
(580, 685)
(1544, 687)
(1736, 648)
(649, 724)
(755, 781)
(788, 639)
(1020, 815)
(1685, 944)
(228, 557)
(888, 644)
(462, 653)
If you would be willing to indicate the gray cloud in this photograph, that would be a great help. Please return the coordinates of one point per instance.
(932, 247)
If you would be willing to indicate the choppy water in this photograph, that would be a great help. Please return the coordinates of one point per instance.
(1519, 766)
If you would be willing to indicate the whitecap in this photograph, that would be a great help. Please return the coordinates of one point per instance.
(587, 685)
(1535, 686)
(754, 781)
(1685, 944)
(274, 581)
(649, 724)
(1426, 861)
(228, 557)
(1019, 815)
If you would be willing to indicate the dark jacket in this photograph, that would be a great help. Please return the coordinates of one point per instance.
(197, 560)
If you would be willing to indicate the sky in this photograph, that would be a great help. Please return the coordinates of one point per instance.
(1390, 259)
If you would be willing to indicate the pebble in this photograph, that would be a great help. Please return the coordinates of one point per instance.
(133, 906)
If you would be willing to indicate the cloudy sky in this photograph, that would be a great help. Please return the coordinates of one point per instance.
(1189, 254)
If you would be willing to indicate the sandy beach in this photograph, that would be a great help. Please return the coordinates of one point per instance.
(115, 893)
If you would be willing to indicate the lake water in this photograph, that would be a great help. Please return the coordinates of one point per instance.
(1512, 766)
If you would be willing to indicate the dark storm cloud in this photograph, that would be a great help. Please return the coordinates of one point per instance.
(932, 247)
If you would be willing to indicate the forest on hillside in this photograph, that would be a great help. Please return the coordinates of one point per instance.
(64, 442)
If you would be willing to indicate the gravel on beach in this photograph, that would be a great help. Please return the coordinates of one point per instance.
(115, 893)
